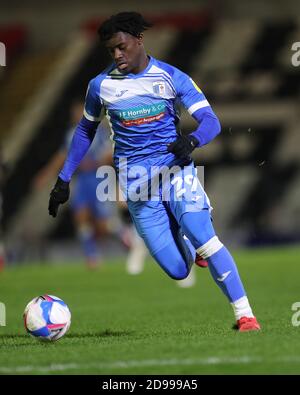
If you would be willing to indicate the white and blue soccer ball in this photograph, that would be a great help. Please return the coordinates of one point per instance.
(47, 317)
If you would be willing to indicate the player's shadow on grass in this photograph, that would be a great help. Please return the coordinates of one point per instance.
(14, 336)
(108, 333)
(16, 340)
(102, 334)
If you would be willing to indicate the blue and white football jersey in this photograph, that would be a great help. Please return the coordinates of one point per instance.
(142, 108)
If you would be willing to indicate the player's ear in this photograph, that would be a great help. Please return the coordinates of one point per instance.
(140, 38)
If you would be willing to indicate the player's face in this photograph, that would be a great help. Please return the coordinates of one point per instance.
(125, 49)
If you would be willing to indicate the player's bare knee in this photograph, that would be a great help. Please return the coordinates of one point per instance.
(211, 247)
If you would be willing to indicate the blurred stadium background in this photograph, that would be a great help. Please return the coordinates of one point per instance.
(240, 55)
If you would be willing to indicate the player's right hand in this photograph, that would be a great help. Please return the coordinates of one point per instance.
(59, 195)
(183, 146)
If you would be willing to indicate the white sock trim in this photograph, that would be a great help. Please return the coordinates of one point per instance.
(241, 308)
(211, 247)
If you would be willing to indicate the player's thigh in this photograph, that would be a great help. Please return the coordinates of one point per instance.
(190, 205)
(79, 204)
(101, 210)
(102, 226)
(159, 231)
(81, 215)
(79, 201)
(186, 194)
(152, 223)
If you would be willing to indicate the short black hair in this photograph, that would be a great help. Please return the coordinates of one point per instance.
(128, 22)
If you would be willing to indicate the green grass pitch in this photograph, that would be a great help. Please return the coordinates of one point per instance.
(146, 324)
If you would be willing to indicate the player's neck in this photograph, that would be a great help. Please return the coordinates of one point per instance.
(143, 63)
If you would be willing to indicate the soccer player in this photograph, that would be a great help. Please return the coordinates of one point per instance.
(140, 94)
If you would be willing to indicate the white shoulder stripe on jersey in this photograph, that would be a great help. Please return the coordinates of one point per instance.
(91, 118)
(196, 106)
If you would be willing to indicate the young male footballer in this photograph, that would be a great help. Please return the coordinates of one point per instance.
(139, 94)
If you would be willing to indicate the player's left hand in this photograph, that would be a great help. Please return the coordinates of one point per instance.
(183, 146)
(59, 195)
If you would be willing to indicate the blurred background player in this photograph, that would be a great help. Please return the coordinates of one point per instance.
(91, 216)
(137, 253)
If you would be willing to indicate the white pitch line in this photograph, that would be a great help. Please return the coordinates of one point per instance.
(148, 362)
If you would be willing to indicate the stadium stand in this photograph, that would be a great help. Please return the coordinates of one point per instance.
(19, 86)
(46, 116)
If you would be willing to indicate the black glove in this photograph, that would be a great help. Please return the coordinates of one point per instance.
(183, 146)
(59, 195)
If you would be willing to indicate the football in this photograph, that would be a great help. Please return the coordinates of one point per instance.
(47, 317)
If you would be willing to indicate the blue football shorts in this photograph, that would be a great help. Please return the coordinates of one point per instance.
(178, 193)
